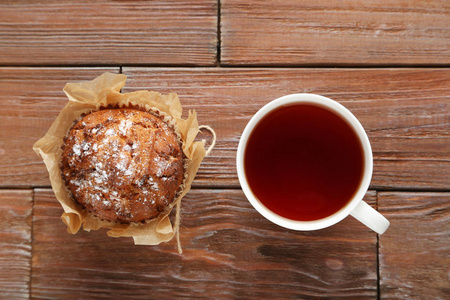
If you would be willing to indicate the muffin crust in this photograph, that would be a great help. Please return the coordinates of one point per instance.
(123, 164)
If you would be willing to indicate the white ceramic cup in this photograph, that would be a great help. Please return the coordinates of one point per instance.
(355, 207)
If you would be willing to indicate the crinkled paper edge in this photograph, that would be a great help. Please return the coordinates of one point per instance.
(85, 97)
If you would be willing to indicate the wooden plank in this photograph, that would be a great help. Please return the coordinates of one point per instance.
(15, 243)
(405, 113)
(30, 101)
(106, 32)
(415, 251)
(321, 32)
(230, 251)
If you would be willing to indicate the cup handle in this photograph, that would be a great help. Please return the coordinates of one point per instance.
(367, 215)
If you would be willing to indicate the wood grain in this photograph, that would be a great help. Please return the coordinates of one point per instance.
(415, 250)
(230, 251)
(15, 243)
(321, 32)
(30, 101)
(405, 113)
(106, 32)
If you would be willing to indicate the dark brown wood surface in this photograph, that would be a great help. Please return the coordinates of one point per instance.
(388, 62)
(15, 243)
(415, 252)
(322, 32)
(405, 113)
(102, 32)
(228, 251)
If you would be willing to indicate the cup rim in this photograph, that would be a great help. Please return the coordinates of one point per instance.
(344, 113)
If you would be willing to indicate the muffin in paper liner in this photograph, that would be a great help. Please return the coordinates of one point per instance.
(103, 91)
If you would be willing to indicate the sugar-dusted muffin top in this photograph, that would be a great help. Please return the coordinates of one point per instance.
(123, 165)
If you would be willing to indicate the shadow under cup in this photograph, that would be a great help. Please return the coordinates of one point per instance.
(304, 163)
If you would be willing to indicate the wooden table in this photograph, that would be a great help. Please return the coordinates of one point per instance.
(387, 62)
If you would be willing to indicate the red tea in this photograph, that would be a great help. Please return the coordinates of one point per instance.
(303, 162)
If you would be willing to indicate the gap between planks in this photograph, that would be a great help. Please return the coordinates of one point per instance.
(219, 64)
(378, 253)
(32, 240)
(237, 187)
(219, 35)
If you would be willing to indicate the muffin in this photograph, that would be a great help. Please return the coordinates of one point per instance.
(123, 164)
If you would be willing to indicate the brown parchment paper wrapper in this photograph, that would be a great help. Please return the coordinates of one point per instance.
(85, 97)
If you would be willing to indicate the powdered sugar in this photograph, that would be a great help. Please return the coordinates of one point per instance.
(76, 149)
(86, 146)
(75, 182)
(110, 132)
(124, 126)
(123, 162)
(102, 189)
(161, 164)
